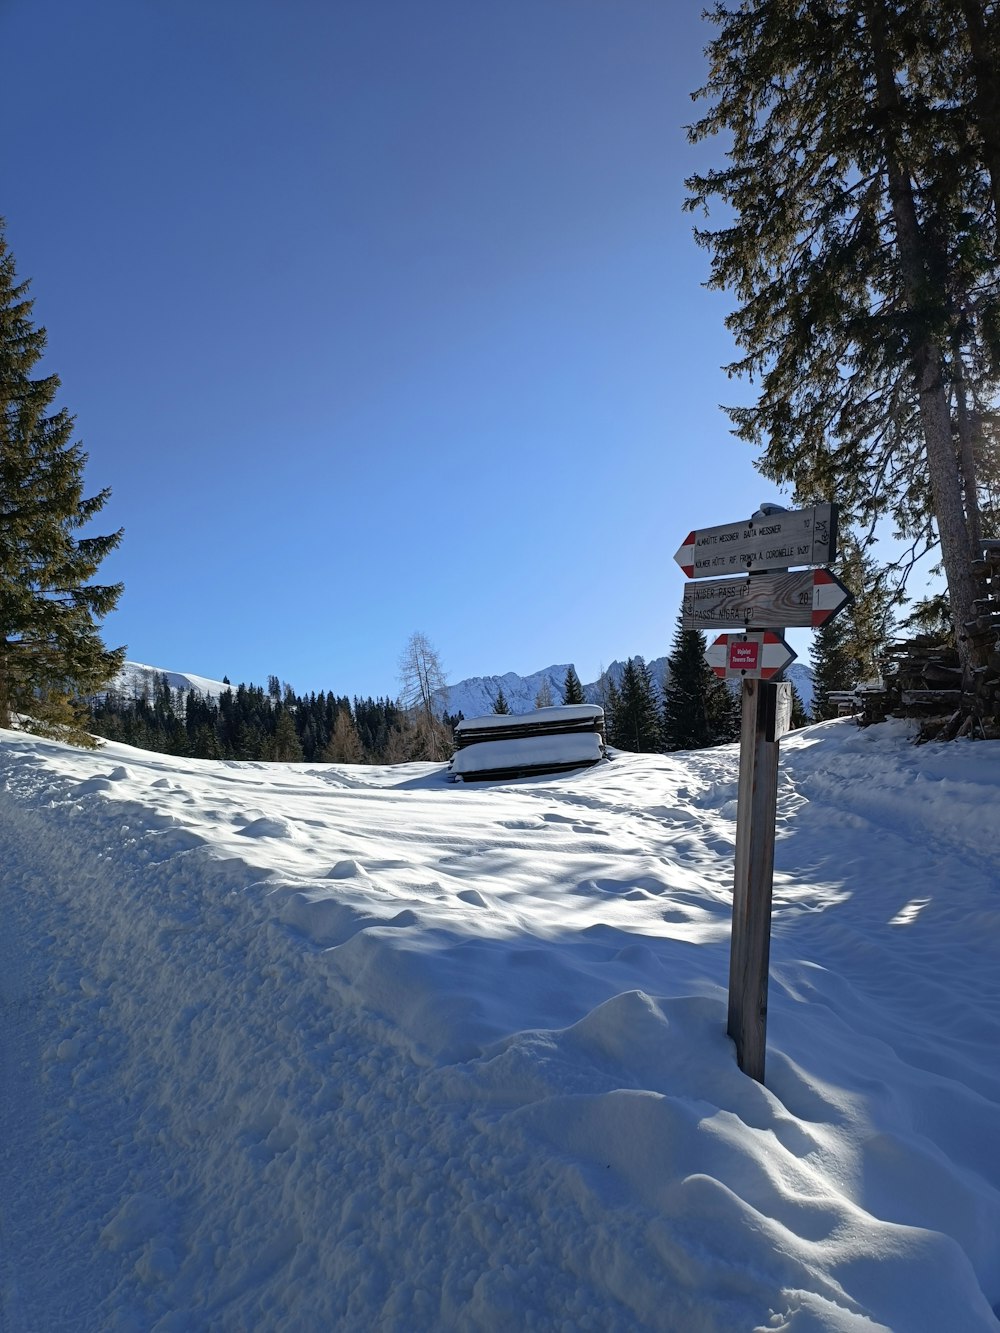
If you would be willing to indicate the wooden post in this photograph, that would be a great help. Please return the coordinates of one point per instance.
(755, 816)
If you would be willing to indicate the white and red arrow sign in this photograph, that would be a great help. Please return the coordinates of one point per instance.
(753, 656)
(788, 599)
(777, 540)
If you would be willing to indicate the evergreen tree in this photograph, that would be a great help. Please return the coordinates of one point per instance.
(612, 708)
(500, 704)
(932, 616)
(847, 649)
(285, 746)
(572, 689)
(637, 717)
(724, 706)
(834, 665)
(800, 718)
(689, 686)
(51, 653)
(860, 238)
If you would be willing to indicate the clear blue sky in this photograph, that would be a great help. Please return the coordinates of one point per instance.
(377, 316)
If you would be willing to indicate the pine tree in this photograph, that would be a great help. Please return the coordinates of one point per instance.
(847, 649)
(724, 706)
(689, 686)
(51, 653)
(285, 746)
(860, 239)
(800, 718)
(834, 665)
(500, 704)
(612, 706)
(572, 689)
(637, 717)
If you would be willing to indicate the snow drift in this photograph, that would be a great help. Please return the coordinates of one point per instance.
(303, 1047)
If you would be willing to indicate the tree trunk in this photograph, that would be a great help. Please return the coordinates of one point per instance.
(4, 690)
(986, 99)
(967, 455)
(925, 354)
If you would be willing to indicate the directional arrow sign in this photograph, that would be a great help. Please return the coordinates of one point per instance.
(797, 598)
(779, 541)
(756, 655)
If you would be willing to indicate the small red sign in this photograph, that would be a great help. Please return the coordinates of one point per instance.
(744, 656)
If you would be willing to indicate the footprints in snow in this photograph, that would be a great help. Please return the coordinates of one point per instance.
(575, 824)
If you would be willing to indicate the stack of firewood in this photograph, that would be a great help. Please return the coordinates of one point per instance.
(922, 677)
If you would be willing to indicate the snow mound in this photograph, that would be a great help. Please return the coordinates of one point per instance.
(313, 1048)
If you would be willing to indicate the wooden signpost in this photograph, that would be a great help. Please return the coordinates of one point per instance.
(751, 606)
(753, 655)
(786, 599)
(778, 540)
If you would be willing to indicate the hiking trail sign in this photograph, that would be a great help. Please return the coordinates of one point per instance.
(783, 599)
(757, 656)
(779, 540)
(746, 583)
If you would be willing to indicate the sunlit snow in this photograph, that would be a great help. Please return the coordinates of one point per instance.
(306, 1047)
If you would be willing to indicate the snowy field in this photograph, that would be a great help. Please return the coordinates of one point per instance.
(302, 1048)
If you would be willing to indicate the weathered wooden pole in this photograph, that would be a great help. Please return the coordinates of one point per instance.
(760, 591)
(755, 818)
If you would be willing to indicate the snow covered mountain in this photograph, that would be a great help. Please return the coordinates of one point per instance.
(472, 697)
(136, 679)
(477, 695)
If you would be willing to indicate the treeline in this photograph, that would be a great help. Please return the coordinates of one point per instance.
(689, 710)
(249, 722)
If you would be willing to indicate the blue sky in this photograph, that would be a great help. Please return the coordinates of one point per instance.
(377, 316)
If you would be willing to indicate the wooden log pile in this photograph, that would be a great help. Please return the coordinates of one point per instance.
(922, 677)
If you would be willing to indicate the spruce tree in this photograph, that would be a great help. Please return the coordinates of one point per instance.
(637, 718)
(572, 689)
(51, 653)
(834, 665)
(847, 649)
(612, 708)
(689, 685)
(724, 705)
(800, 718)
(500, 704)
(859, 238)
(285, 746)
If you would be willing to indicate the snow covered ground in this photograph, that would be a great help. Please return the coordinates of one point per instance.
(313, 1048)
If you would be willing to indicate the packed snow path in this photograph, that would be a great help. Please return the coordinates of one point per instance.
(305, 1048)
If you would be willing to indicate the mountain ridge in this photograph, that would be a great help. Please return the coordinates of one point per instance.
(474, 696)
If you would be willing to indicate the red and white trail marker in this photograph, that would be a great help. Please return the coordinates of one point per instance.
(782, 599)
(777, 540)
(753, 656)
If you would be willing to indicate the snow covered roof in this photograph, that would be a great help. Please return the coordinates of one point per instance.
(572, 748)
(564, 713)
